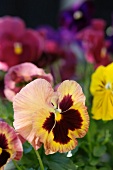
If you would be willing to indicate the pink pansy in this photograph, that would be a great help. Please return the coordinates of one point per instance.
(18, 76)
(10, 145)
(53, 118)
(94, 44)
(3, 66)
(17, 43)
(3, 70)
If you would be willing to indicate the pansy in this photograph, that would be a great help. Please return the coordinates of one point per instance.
(68, 60)
(17, 43)
(94, 44)
(57, 53)
(53, 118)
(19, 75)
(77, 16)
(10, 145)
(51, 47)
(102, 90)
(68, 63)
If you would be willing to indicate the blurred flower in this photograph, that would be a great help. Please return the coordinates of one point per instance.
(68, 65)
(102, 90)
(3, 69)
(17, 43)
(55, 119)
(10, 145)
(77, 17)
(20, 75)
(94, 44)
(109, 33)
(51, 49)
(3, 66)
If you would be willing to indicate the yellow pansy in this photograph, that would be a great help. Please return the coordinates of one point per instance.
(102, 90)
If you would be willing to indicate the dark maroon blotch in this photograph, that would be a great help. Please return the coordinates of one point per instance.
(4, 156)
(49, 123)
(66, 103)
(71, 120)
(3, 141)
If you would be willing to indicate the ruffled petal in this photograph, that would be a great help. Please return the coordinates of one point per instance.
(69, 93)
(73, 124)
(98, 80)
(108, 73)
(43, 123)
(102, 107)
(28, 102)
(10, 145)
(20, 75)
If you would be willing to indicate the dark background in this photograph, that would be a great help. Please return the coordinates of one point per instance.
(40, 12)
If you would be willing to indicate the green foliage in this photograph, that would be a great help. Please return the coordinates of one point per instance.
(59, 161)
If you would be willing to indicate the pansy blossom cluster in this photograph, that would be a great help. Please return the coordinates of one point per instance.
(56, 87)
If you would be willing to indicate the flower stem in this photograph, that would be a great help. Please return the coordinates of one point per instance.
(40, 160)
(89, 142)
(16, 165)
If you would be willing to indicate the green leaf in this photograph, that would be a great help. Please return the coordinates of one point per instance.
(27, 150)
(94, 161)
(90, 168)
(80, 163)
(98, 151)
(59, 162)
(105, 168)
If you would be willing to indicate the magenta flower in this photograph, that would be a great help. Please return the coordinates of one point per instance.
(93, 41)
(51, 49)
(20, 75)
(10, 145)
(58, 49)
(69, 65)
(18, 44)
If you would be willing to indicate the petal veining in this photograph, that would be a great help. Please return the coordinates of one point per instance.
(33, 97)
(70, 90)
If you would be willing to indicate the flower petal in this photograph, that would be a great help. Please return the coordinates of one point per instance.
(43, 123)
(28, 102)
(108, 75)
(10, 145)
(98, 80)
(102, 107)
(20, 75)
(69, 93)
(73, 124)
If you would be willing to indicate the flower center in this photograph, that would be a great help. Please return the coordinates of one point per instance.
(58, 116)
(18, 48)
(0, 151)
(77, 15)
(108, 85)
(103, 52)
